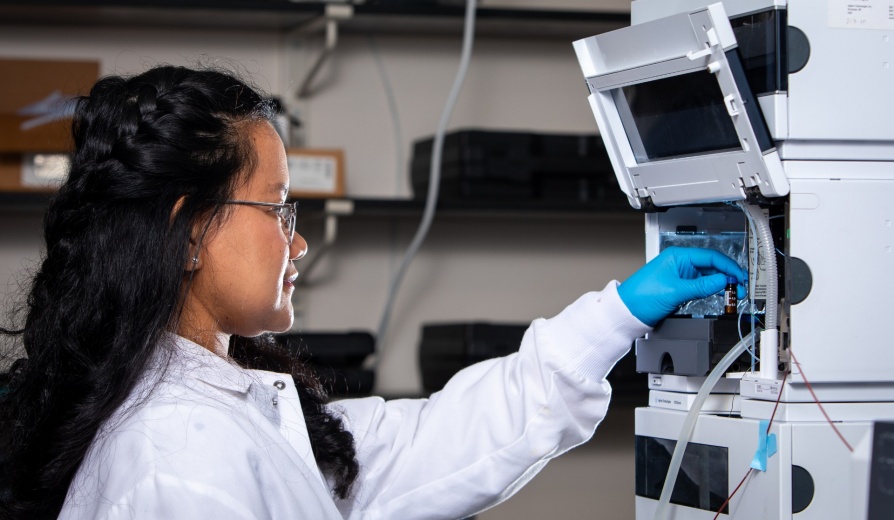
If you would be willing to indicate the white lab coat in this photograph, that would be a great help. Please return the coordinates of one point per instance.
(204, 438)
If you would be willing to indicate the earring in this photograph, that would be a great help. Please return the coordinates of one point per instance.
(195, 259)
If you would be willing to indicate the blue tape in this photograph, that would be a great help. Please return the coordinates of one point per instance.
(766, 447)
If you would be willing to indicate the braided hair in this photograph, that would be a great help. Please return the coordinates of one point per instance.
(111, 282)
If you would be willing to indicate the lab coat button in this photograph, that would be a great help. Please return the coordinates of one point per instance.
(279, 384)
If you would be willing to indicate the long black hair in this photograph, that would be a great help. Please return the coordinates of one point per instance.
(153, 155)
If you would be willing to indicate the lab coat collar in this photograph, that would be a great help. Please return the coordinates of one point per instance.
(194, 361)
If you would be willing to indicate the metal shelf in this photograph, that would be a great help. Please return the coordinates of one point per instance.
(24, 201)
(28, 201)
(412, 208)
(392, 17)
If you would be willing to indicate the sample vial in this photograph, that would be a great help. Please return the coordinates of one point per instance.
(729, 296)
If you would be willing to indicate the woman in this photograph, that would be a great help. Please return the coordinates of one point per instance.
(168, 249)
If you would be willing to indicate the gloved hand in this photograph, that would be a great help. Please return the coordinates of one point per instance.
(674, 277)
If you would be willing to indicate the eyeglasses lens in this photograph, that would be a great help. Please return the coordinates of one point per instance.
(289, 222)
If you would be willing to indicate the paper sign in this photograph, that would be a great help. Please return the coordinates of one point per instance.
(861, 14)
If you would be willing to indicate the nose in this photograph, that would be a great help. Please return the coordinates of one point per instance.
(298, 248)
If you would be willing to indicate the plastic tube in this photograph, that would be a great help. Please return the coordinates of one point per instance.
(768, 250)
(751, 254)
(663, 510)
(431, 200)
(770, 336)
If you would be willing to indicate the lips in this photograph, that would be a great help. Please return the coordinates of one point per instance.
(289, 281)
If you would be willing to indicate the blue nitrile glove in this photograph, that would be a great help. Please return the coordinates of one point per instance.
(674, 277)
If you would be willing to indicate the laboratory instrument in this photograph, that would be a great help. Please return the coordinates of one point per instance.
(763, 129)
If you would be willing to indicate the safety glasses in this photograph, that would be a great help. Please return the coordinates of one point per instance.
(286, 213)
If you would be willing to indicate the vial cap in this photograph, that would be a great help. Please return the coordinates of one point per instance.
(730, 279)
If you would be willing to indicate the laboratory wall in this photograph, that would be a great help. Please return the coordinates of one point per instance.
(510, 268)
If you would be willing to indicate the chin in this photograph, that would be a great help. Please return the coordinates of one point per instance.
(284, 324)
(276, 323)
(281, 329)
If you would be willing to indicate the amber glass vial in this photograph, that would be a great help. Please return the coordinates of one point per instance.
(729, 295)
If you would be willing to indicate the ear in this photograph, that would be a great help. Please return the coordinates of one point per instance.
(194, 262)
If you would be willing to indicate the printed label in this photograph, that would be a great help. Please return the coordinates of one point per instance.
(766, 389)
(861, 14)
(758, 280)
(310, 173)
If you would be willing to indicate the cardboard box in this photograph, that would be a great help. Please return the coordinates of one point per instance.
(35, 103)
(11, 172)
(316, 173)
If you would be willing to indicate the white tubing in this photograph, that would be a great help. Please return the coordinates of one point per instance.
(768, 251)
(431, 200)
(770, 336)
(662, 512)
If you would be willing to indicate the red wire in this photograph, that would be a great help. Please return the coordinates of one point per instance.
(772, 416)
(730, 497)
(776, 407)
(818, 403)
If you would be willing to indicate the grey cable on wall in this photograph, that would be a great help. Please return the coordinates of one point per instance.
(330, 220)
(431, 200)
(391, 100)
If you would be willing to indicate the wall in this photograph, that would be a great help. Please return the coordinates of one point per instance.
(523, 84)
(507, 269)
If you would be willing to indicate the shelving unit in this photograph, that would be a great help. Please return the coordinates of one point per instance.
(368, 17)
(469, 208)
(24, 201)
(37, 201)
(279, 24)
(284, 15)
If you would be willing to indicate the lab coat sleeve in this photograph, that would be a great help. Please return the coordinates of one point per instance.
(495, 424)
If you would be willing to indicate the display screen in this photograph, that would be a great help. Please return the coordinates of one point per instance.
(703, 480)
(677, 116)
(762, 48)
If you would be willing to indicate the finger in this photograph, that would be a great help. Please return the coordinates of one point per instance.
(708, 260)
(701, 287)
